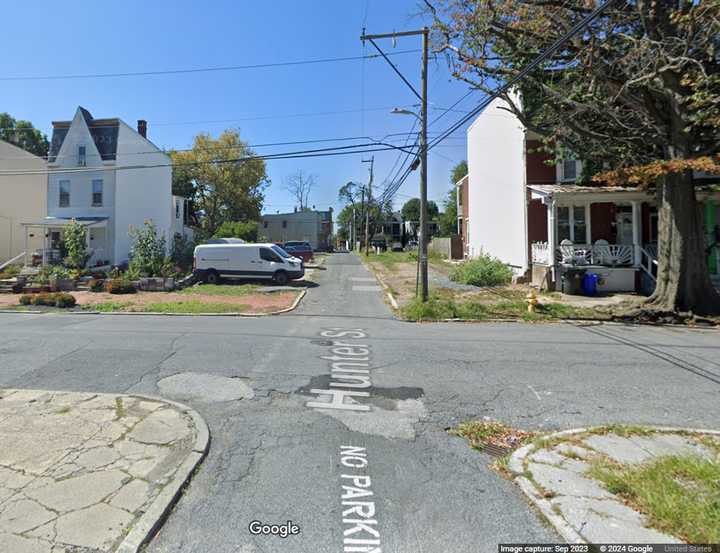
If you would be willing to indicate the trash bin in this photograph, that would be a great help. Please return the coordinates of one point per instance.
(571, 280)
(590, 283)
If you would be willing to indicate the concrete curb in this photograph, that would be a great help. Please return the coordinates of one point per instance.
(151, 521)
(515, 465)
(294, 306)
(391, 298)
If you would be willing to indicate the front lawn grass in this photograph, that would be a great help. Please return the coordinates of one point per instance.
(443, 306)
(194, 306)
(679, 494)
(220, 289)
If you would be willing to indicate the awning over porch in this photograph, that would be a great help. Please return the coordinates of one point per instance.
(45, 222)
(562, 192)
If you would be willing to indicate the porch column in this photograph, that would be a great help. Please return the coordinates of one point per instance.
(45, 231)
(636, 232)
(588, 229)
(26, 244)
(552, 212)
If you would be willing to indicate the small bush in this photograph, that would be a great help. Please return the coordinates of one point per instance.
(63, 299)
(97, 285)
(483, 271)
(120, 286)
(10, 271)
(55, 299)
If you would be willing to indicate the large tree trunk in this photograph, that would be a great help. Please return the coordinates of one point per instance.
(683, 281)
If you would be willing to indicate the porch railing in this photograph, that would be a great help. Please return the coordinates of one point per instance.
(611, 255)
(540, 253)
(648, 260)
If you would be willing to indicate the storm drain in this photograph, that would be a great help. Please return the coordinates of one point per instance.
(495, 450)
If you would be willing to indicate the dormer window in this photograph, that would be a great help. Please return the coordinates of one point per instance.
(81, 156)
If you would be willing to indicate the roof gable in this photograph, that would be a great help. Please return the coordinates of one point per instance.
(103, 132)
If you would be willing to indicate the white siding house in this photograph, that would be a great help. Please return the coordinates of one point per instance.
(109, 177)
(496, 191)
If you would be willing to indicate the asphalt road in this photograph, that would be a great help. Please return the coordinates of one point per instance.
(407, 485)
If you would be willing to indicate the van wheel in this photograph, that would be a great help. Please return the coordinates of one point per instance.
(281, 278)
(212, 277)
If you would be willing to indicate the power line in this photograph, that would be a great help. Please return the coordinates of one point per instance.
(320, 152)
(525, 71)
(200, 69)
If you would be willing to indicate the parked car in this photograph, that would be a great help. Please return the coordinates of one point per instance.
(225, 241)
(302, 250)
(213, 262)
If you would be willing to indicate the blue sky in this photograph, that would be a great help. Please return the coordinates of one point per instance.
(267, 105)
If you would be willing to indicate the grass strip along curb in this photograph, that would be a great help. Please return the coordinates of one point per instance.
(294, 306)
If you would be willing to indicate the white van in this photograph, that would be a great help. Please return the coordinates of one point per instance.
(212, 262)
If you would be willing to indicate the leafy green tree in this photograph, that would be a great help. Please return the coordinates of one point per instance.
(458, 172)
(411, 210)
(222, 179)
(148, 253)
(247, 230)
(638, 88)
(449, 217)
(344, 222)
(23, 135)
(75, 243)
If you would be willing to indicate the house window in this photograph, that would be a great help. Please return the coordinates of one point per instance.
(571, 224)
(177, 210)
(64, 198)
(81, 156)
(265, 224)
(284, 224)
(459, 195)
(569, 170)
(97, 192)
(579, 225)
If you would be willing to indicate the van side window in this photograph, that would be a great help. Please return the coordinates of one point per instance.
(267, 254)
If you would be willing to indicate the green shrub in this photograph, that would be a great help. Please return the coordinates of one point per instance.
(148, 254)
(97, 285)
(247, 230)
(119, 286)
(54, 299)
(75, 240)
(10, 271)
(63, 299)
(482, 271)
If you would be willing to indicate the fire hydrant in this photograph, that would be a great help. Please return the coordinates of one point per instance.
(532, 300)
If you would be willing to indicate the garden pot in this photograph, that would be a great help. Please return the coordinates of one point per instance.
(62, 285)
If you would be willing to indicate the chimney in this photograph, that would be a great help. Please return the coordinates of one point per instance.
(142, 128)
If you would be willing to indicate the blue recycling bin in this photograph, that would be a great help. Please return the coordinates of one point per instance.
(590, 283)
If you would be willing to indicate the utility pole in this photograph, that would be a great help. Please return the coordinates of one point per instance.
(371, 161)
(352, 231)
(422, 96)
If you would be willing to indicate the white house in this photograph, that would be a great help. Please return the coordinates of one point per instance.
(532, 214)
(109, 177)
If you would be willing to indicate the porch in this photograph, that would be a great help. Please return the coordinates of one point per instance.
(51, 231)
(606, 231)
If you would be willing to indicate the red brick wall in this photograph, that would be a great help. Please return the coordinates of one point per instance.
(537, 171)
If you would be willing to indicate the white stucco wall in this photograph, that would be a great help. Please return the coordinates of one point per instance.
(496, 187)
(22, 198)
(141, 194)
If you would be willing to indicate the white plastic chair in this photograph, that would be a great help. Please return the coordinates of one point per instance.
(567, 251)
(601, 253)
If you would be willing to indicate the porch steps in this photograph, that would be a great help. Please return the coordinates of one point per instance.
(6, 285)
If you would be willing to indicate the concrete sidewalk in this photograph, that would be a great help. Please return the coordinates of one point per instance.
(86, 473)
(554, 476)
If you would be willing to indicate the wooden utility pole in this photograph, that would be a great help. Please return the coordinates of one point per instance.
(371, 161)
(422, 154)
